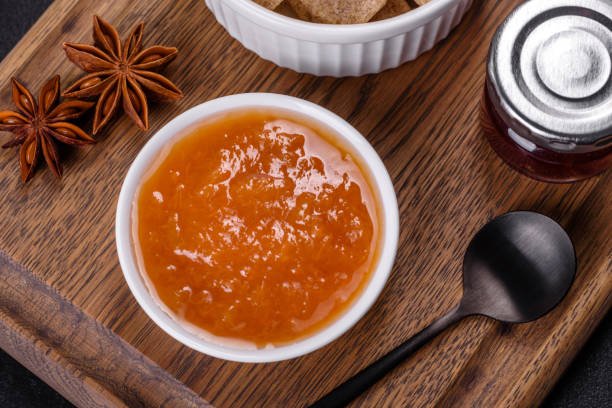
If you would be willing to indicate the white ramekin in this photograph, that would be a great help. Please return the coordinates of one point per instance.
(383, 189)
(338, 50)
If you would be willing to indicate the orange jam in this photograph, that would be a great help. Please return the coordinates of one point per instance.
(256, 226)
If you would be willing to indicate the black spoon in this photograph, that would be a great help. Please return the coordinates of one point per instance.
(516, 269)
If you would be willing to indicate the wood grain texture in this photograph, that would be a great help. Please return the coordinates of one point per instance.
(67, 314)
(61, 343)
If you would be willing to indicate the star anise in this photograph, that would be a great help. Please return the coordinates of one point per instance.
(120, 73)
(38, 126)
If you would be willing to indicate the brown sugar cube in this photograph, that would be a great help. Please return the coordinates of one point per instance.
(393, 8)
(286, 10)
(342, 11)
(299, 9)
(269, 4)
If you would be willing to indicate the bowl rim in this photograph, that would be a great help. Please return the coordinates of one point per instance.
(381, 183)
(340, 33)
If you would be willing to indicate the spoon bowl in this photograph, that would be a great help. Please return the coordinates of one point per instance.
(517, 268)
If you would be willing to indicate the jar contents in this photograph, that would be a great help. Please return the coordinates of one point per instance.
(258, 227)
(537, 162)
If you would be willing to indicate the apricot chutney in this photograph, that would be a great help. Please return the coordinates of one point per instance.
(256, 226)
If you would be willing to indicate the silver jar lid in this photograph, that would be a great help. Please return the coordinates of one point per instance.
(550, 70)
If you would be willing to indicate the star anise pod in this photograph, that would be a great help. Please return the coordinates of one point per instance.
(38, 126)
(120, 73)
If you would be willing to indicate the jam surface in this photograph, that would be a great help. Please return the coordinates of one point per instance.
(257, 227)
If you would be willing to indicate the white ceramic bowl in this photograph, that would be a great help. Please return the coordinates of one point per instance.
(338, 50)
(382, 186)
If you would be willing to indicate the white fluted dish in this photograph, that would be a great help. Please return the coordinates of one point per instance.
(338, 50)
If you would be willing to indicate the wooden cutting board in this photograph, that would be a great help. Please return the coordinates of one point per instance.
(67, 314)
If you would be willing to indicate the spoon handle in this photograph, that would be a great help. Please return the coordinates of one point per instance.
(346, 392)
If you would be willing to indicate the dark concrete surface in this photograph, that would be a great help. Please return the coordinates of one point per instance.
(587, 383)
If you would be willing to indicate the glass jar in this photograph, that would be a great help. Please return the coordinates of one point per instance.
(547, 106)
